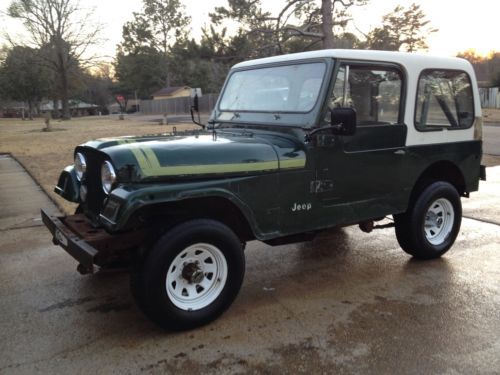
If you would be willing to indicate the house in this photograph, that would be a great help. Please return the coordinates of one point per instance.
(76, 107)
(13, 109)
(172, 92)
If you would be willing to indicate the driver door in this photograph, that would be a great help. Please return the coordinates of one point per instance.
(359, 177)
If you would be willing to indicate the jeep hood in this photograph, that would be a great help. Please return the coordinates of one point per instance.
(167, 157)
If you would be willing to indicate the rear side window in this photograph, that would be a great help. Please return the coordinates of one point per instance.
(444, 99)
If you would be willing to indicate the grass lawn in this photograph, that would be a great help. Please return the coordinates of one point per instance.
(45, 154)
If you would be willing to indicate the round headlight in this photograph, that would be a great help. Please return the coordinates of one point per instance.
(108, 176)
(80, 165)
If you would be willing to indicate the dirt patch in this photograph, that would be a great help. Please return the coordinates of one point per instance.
(45, 154)
(69, 302)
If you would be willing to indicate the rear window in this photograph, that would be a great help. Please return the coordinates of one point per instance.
(444, 99)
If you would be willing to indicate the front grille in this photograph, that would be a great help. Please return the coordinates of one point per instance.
(95, 195)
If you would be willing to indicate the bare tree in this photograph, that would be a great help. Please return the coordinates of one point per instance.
(312, 21)
(318, 20)
(61, 29)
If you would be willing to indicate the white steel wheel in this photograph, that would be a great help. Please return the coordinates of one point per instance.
(196, 277)
(431, 224)
(190, 276)
(439, 220)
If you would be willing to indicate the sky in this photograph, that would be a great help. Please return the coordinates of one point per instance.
(462, 24)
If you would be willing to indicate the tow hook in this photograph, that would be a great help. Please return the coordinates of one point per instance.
(83, 270)
(367, 226)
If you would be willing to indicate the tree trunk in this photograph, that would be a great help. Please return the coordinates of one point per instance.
(55, 111)
(30, 109)
(64, 95)
(327, 24)
(166, 69)
(62, 68)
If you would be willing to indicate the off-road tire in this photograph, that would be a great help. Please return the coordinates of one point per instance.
(149, 276)
(411, 225)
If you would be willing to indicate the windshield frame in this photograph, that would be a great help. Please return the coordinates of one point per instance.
(319, 96)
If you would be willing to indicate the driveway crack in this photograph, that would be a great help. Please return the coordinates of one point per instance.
(482, 220)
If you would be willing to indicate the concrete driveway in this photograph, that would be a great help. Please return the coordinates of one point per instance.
(347, 302)
(491, 139)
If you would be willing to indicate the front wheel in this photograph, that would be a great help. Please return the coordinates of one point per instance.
(431, 224)
(191, 275)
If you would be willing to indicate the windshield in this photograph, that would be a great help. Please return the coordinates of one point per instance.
(290, 88)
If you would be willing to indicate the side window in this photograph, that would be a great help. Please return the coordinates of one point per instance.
(374, 92)
(444, 99)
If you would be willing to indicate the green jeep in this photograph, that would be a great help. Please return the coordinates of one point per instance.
(296, 144)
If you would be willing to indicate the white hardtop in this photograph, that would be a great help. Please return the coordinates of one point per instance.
(410, 61)
(413, 64)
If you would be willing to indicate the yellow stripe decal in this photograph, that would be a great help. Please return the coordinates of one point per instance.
(211, 168)
(151, 156)
(141, 159)
(293, 163)
(150, 166)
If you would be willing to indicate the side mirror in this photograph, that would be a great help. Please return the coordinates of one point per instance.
(343, 121)
(196, 108)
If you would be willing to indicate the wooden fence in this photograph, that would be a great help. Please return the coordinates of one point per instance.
(178, 106)
(490, 97)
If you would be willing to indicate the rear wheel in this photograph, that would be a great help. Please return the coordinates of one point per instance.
(191, 275)
(430, 226)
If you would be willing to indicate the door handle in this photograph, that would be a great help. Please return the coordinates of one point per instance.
(400, 152)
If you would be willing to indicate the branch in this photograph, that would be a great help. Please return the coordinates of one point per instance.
(298, 31)
(359, 31)
(260, 30)
(311, 44)
(283, 11)
(346, 5)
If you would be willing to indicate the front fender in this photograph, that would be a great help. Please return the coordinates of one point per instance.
(68, 186)
(125, 202)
